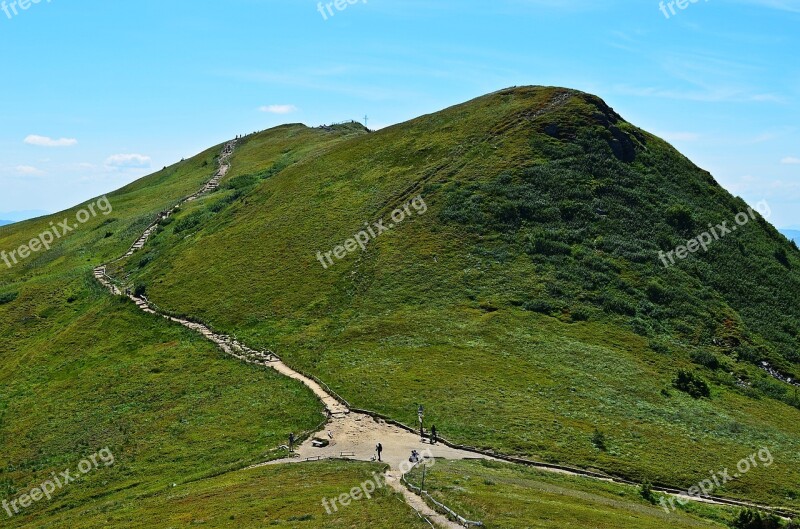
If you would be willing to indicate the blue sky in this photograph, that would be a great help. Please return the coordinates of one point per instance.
(98, 93)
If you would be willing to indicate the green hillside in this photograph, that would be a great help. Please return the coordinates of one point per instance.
(507, 496)
(82, 371)
(528, 306)
(521, 299)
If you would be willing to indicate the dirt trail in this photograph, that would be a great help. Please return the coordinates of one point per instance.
(355, 436)
(417, 503)
(351, 435)
(348, 432)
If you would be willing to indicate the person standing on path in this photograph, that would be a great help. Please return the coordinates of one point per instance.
(379, 449)
(433, 434)
(291, 442)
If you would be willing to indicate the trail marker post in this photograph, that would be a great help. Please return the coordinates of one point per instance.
(421, 415)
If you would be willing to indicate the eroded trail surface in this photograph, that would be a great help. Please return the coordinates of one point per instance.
(355, 436)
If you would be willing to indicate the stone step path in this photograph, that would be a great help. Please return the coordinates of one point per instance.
(211, 185)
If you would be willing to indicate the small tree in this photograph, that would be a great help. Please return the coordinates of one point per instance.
(599, 440)
(646, 490)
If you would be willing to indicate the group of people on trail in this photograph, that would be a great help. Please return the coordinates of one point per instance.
(379, 447)
(415, 457)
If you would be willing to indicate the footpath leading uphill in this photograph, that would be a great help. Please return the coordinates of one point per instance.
(350, 434)
(354, 435)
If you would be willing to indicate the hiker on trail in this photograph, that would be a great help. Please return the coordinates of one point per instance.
(433, 434)
(414, 457)
(379, 449)
(291, 442)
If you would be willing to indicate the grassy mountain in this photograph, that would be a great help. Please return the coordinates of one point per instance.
(525, 305)
(528, 306)
(82, 371)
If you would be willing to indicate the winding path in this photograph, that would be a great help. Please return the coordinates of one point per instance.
(350, 434)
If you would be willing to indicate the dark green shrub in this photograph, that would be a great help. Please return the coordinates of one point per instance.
(771, 388)
(139, 290)
(580, 314)
(659, 346)
(680, 217)
(540, 246)
(539, 305)
(599, 440)
(782, 257)
(8, 297)
(188, 222)
(657, 293)
(753, 519)
(690, 383)
(242, 182)
(617, 305)
(646, 491)
(144, 261)
(707, 359)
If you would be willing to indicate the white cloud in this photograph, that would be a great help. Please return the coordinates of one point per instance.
(278, 109)
(128, 161)
(44, 141)
(790, 160)
(28, 170)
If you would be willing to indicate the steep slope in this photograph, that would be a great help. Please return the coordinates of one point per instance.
(523, 299)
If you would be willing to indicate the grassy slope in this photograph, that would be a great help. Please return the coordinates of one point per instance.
(512, 497)
(461, 310)
(81, 371)
(282, 496)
